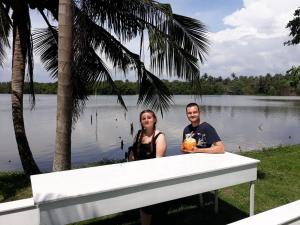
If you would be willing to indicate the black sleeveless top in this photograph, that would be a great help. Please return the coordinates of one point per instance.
(143, 151)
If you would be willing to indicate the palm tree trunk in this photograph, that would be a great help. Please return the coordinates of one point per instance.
(17, 87)
(62, 156)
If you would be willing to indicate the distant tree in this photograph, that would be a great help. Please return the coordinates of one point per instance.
(205, 76)
(294, 26)
(226, 81)
(233, 75)
(5, 87)
(293, 76)
(219, 79)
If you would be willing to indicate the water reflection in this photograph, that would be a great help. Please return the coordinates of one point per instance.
(105, 130)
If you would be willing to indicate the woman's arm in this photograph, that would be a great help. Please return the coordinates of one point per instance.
(217, 147)
(161, 146)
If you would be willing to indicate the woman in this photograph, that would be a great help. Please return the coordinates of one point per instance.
(148, 143)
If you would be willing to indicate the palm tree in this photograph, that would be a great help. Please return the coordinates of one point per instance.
(20, 23)
(177, 44)
(22, 56)
(62, 156)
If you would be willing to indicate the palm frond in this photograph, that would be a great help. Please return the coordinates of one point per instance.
(124, 17)
(191, 34)
(91, 71)
(124, 59)
(45, 45)
(5, 28)
(50, 27)
(153, 93)
(115, 89)
(176, 42)
(175, 50)
(168, 57)
(185, 31)
(111, 15)
(100, 39)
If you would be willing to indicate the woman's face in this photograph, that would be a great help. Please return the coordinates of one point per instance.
(148, 120)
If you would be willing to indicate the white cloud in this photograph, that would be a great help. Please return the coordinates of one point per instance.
(253, 42)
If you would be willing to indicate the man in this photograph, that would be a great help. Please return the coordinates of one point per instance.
(207, 139)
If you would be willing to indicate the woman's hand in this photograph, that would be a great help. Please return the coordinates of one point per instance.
(131, 156)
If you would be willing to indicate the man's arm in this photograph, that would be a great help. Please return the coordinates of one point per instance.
(217, 147)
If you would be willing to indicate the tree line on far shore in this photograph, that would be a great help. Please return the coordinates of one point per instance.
(278, 84)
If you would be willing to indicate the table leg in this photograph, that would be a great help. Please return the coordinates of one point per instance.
(252, 186)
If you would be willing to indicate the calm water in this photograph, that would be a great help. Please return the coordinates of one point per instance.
(243, 122)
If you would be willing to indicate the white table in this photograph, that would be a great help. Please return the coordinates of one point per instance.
(288, 214)
(75, 195)
(19, 212)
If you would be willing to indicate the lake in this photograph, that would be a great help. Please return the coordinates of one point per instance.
(244, 123)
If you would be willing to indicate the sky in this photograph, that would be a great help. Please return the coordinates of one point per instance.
(246, 37)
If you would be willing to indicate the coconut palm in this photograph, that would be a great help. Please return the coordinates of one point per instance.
(62, 159)
(15, 15)
(176, 44)
(22, 56)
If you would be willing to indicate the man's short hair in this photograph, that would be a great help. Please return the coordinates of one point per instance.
(191, 105)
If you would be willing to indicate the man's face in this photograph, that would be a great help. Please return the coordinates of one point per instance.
(193, 114)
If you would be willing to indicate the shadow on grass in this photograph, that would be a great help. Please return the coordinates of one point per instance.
(205, 215)
(185, 211)
(10, 183)
(261, 175)
(130, 217)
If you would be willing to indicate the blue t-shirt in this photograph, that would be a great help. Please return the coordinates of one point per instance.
(204, 134)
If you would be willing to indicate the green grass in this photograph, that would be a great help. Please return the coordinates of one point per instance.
(14, 186)
(278, 180)
(278, 183)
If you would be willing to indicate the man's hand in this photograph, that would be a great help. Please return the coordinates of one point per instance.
(182, 149)
(185, 151)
